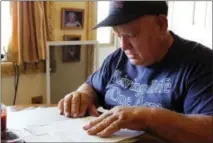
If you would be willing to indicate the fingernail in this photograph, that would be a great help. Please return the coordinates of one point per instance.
(67, 114)
(86, 127)
(101, 135)
(75, 115)
(89, 132)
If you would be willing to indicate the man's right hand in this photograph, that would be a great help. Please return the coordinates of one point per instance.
(76, 104)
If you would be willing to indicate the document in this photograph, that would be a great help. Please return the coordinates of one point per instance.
(33, 117)
(46, 125)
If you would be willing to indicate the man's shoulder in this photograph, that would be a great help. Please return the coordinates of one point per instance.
(115, 55)
(192, 51)
(200, 54)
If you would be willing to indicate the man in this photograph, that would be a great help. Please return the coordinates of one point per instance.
(156, 81)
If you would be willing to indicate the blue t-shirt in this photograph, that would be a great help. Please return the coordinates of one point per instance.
(181, 82)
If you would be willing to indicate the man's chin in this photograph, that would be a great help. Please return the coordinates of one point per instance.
(136, 62)
(139, 63)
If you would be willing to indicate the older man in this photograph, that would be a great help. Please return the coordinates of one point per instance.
(157, 81)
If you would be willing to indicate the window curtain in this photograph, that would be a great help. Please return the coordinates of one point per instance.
(29, 31)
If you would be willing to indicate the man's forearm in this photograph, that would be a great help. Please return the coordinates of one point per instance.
(179, 128)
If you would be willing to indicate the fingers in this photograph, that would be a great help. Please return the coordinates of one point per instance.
(61, 106)
(83, 106)
(96, 121)
(75, 103)
(93, 111)
(102, 125)
(111, 129)
(67, 105)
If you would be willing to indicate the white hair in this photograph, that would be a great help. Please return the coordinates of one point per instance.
(72, 13)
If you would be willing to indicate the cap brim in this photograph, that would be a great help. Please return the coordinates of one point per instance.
(114, 20)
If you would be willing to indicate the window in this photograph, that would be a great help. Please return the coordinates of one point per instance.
(6, 26)
(104, 35)
(192, 20)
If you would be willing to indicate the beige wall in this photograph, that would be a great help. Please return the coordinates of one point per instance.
(29, 86)
(68, 76)
(104, 52)
(56, 14)
(35, 85)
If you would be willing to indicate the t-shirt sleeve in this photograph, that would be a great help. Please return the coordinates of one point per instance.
(99, 79)
(199, 98)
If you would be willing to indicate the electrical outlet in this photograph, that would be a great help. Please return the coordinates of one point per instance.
(37, 100)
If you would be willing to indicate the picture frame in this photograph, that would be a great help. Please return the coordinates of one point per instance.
(72, 18)
(71, 53)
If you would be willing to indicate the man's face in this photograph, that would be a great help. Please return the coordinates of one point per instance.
(140, 40)
(72, 18)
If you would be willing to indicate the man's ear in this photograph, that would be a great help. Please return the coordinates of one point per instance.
(162, 22)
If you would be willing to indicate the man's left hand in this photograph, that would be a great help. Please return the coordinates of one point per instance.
(134, 118)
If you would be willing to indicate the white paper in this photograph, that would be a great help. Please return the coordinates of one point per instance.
(47, 125)
(42, 138)
(72, 130)
(34, 117)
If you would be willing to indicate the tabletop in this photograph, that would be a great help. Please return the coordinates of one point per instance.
(146, 137)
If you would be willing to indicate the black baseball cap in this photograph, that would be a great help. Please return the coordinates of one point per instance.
(121, 12)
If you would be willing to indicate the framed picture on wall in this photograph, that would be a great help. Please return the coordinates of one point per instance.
(71, 53)
(72, 18)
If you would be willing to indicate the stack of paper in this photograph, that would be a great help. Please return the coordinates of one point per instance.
(46, 125)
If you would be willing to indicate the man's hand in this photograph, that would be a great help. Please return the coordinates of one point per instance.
(76, 104)
(134, 118)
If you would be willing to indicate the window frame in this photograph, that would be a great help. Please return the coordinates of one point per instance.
(193, 27)
(6, 50)
(112, 36)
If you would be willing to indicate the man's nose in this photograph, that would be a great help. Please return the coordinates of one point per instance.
(124, 42)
